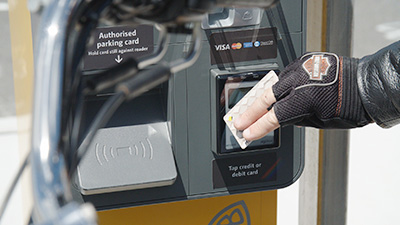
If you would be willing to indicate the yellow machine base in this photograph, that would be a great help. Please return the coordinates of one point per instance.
(245, 209)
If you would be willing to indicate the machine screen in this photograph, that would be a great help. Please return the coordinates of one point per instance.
(237, 95)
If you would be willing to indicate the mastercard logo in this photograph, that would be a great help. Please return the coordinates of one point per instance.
(237, 45)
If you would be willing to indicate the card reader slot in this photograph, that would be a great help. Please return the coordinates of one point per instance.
(230, 88)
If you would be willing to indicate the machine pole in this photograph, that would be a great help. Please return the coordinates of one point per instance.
(323, 186)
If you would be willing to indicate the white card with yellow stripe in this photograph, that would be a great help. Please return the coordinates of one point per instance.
(267, 81)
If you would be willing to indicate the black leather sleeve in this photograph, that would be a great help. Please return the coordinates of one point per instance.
(378, 78)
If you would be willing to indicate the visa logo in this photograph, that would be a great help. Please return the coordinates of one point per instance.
(222, 47)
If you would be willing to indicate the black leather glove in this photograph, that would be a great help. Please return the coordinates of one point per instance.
(320, 90)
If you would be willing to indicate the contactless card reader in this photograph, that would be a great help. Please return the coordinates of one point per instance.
(133, 151)
(244, 103)
(128, 158)
(230, 89)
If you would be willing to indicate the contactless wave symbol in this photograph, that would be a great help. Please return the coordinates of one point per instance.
(234, 214)
(104, 153)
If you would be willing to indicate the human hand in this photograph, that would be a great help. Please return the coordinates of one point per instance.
(317, 90)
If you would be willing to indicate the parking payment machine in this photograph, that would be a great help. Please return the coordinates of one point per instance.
(167, 157)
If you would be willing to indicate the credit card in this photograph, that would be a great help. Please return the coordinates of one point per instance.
(267, 81)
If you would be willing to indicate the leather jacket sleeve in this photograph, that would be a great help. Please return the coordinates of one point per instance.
(378, 78)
